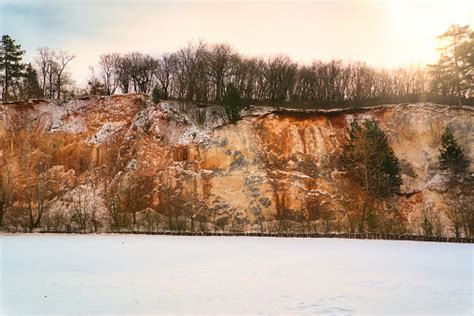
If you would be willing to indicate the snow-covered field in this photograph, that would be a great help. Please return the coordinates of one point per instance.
(130, 274)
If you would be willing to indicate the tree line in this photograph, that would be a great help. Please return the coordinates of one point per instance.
(202, 72)
(47, 77)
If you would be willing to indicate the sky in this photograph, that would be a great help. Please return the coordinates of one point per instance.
(387, 33)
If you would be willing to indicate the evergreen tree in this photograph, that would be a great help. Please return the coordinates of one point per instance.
(156, 94)
(11, 67)
(453, 71)
(466, 53)
(96, 87)
(232, 103)
(30, 87)
(451, 156)
(370, 161)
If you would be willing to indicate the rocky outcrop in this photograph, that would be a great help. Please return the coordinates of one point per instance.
(271, 165)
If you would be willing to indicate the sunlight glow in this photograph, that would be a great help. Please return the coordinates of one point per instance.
(417, 23)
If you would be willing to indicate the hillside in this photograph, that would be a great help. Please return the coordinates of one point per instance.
(123, 163)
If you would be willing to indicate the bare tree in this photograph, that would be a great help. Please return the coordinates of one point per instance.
(220, 58)
(62, 59)
(6, 188)
(142, 70)
(165, 73)
(190, 68)
(426, 225)
(280, 74)
(44, 62)
(37, 185)
(123, 69)
(80, 212)
(108, 65)
(52, 70)
(460, 211)
(137, 193)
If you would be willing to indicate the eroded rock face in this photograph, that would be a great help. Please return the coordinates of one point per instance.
(245, 173)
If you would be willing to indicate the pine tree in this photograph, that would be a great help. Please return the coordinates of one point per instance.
(156, 94)
(96, 87)
(232, 103)
(451, 156)
(10, 63)
(30, 87)
(370, 161)
(453, 71)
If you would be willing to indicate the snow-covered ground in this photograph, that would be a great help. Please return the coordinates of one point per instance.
(129, 274)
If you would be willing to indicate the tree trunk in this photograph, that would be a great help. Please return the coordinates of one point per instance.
(59, 87)
(2, 212)
(5, 87)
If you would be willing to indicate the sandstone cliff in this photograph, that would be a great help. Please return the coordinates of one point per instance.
(122, 162)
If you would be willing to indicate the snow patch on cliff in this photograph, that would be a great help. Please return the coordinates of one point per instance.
(438, 183)
(106, 132)
(196, 123)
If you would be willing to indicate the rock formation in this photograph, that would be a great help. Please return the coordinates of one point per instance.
(122, 162)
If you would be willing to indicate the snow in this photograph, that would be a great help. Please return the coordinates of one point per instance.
(74, 126)
(193, 133)
(438, 183)
(359, 116)
(60, 116)
(132, 274)
(187, 118)
(106, 132)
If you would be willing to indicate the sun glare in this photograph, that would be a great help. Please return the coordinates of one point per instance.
(418, 23)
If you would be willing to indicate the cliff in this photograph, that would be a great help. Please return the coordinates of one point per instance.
(122, 162)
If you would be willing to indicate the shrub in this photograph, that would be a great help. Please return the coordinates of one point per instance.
(156, 94)
(232, 103)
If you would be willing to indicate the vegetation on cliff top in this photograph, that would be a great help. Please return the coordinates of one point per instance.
(201, 72)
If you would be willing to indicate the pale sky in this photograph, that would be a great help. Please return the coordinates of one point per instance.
(382, 33)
